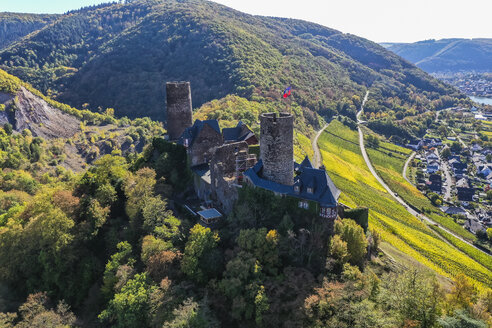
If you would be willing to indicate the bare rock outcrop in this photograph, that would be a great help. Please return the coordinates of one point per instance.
(28, 111)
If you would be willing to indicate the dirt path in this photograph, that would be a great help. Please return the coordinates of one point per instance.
(405, 167)
(317, 155)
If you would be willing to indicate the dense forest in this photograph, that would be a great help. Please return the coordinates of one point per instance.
(120, 55)
(14, 26)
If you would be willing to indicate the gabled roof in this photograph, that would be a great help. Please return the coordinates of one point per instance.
(306, 162)
(240, 132)
(324, 190)
(453, 210)
(192, 132)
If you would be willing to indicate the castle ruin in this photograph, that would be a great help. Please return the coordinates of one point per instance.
(221, 162)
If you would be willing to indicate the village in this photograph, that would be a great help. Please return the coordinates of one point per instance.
(455, 171)
(471, 83)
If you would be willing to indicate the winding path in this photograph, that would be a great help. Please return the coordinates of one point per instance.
(317, 154)
(405, 167)
(395, 196)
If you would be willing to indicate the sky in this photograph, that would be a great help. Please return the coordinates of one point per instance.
(377, 20)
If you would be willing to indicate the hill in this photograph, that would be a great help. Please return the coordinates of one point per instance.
(14, 26)
(69, 137)
(120, 55)
(452, 55)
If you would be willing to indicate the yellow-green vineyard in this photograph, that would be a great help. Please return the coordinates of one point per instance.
(343, 160)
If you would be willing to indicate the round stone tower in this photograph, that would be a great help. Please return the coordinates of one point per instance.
(277, 148)
(179, 112)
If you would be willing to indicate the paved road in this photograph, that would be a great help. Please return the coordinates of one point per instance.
(317, 154)
(397, 198)
(449, 182)
(405, 167)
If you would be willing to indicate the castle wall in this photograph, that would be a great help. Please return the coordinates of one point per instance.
(277, 148)
(179, 110)
(223, 172)
(203, 147)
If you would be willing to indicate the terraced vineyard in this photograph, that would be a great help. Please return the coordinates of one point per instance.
(344, 162)
(388, 160)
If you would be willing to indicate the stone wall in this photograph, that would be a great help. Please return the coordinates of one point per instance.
(223, 172)
(203, 147)
(277, 148)
(179, 110)
(226, 155)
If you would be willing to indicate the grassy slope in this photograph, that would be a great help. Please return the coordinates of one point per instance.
(344, 162)
(390, 169)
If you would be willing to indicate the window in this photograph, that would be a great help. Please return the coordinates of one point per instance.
(303, 204)
(310, 190)
(296, 189)
(327, 212)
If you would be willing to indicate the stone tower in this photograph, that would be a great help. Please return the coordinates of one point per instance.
(179, 112)
(277, 148)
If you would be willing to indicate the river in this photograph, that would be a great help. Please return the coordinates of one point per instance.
(482, 100)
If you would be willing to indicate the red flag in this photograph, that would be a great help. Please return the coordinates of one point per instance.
(287, 92)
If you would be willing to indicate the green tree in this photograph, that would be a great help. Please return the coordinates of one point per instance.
(129, 308)
(338, 254)
(352, 234)
(463, 293)
(456, 147)
(199, 253)
(263, 245)
(261, 305)
(372, 141)
(37, 312)
(415, 296)
(192, 314)
(241, 285)
(7, 127)
(154, 213)
(122, 256)
(446, 153)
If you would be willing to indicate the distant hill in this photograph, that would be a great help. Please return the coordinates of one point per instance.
(121, 55)
(451, 55)
(14, 26)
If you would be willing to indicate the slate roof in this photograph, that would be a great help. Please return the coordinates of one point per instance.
(306, 163)
(324, 190)
(193, 131)
(453, 210)
(240, 132)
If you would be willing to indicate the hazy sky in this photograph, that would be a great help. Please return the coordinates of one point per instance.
(377, 20)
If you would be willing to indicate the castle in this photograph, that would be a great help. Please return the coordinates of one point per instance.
(221, 162)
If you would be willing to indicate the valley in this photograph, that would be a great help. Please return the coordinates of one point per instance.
(168, 163)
